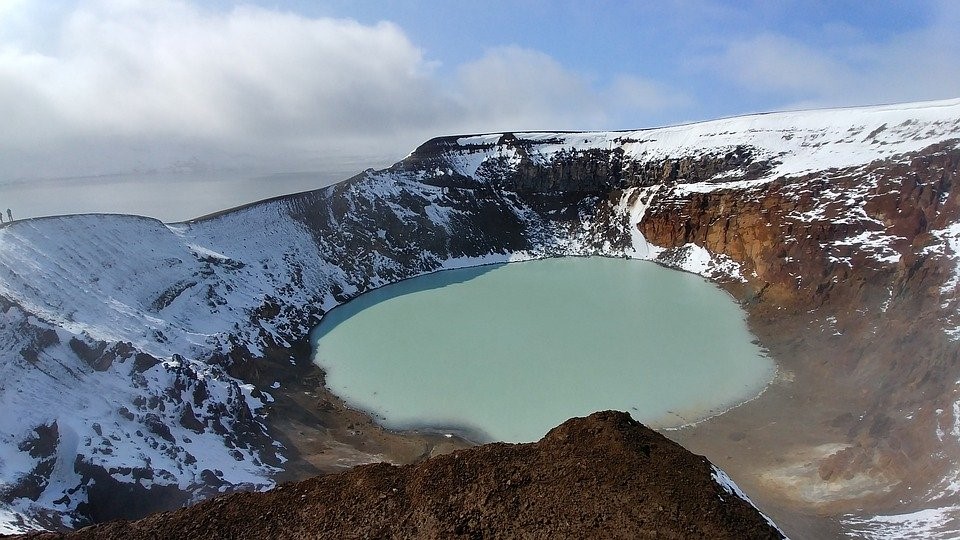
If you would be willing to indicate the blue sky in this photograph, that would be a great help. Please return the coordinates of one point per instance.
(102, 86)
(686, 47)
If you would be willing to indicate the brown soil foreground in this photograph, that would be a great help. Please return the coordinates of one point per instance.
(604, 476)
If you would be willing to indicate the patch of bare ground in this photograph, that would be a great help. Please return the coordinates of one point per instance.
(848, 425)
(320, 433)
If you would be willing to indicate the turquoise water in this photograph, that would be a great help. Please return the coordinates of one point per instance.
(506, 352)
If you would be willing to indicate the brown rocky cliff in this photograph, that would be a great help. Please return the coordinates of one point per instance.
(840, 279)
(786, 231)
(604, 476)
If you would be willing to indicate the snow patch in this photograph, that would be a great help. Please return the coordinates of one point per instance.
(698, 260)
(731, 488)
(949, 246)
(641, 198)
(929, 524)
(13, 522)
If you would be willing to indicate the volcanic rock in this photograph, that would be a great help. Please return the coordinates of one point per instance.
(604, 476)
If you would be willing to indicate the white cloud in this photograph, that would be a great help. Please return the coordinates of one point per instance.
(630, 94)
(770, 62)
(129, 68)
(166, 73)
(99, 86)
(511, 88)
(120, 84)
(909, 66)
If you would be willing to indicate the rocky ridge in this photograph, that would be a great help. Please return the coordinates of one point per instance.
(605, 476)
(836, 229)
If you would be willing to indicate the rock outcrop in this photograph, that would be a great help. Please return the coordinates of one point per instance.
(604, 476)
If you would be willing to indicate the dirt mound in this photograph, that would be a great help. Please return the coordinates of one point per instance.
(601, 476)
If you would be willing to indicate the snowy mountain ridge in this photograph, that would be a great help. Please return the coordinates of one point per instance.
(796, 142)
(118, 333)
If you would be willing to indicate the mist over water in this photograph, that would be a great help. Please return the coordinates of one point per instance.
(170, 196)
(512, 350)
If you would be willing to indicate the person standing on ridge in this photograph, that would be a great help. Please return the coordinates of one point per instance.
(9, 216)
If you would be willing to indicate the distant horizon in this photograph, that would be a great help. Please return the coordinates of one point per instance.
(175, 195)
(171, 170)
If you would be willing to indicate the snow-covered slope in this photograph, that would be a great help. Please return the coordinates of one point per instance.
(118, 333)
(796, 142)
(104, 342)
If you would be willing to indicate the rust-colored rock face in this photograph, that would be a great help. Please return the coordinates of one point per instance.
(604, 476)
(788, 233)
(841, 286)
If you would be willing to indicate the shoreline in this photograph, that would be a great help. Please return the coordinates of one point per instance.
(756, 441)
(759, 369)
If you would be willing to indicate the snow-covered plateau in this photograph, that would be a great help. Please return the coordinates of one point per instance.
(119, 334)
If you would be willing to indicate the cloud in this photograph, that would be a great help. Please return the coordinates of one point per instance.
(511, 88)
(167, 73)
(115, 85)
(129, 68)
(629, 95)
(774, 63)
(101, 86)
(515, 88)
(907, 66)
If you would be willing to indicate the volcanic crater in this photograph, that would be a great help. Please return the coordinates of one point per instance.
(167, 363)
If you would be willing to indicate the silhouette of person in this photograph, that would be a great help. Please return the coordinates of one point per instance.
(9, 215)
